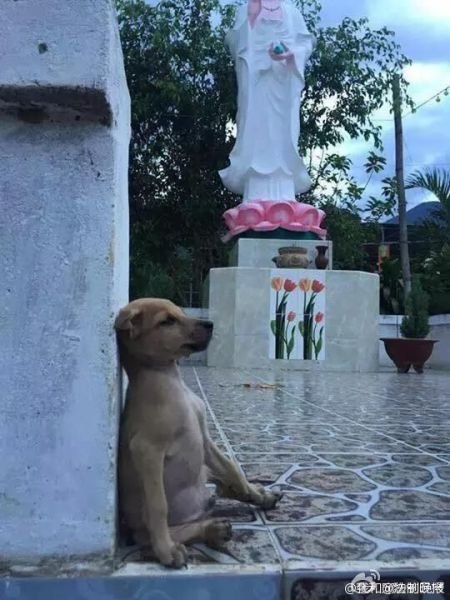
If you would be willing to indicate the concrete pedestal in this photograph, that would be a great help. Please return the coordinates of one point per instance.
(64, 135)
(240, 307)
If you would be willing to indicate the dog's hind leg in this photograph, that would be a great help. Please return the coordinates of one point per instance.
(148, 458)
(212, 532)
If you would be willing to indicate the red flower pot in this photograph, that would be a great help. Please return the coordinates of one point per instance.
(405, 352)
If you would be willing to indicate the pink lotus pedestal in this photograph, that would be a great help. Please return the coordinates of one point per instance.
(331, 315)
(266, 216)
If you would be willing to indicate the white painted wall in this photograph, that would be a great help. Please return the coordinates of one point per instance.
(64, 275)
(439, 330)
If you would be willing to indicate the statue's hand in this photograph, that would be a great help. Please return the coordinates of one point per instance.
(286, 55)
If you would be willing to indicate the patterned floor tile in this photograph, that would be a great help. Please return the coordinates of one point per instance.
(234, 511)
(265, 473)
(404, 476)
(330, 480)
(334, 589)
(354, 461)
(441, 487)
(429, 534)
(302, 460)
(411, 553)
(249, 545)
(327, 543)
(424, 460)
(303, 507)
(410, 505)
(363, 461)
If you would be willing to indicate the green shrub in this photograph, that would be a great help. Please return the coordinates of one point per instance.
(150, 280)
(391, 287)
(415, 322)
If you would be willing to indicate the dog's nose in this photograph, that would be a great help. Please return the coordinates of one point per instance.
(208, 325)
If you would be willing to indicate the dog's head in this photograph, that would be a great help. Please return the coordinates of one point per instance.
(158, 331)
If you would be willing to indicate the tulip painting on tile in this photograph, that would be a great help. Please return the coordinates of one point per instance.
(297, 315)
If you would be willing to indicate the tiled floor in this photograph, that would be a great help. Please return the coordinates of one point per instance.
(364, 461)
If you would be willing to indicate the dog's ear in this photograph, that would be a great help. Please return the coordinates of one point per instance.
(129, 319)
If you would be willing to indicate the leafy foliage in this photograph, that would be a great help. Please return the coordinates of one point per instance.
(415, 322)
(384, 206)
(434, 260)
(183, 91)
(182, 87)
(436, 279)
(349, 235)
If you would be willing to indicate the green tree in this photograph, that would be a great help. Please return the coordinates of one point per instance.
(435, 274)
(182, 89)
(349, 235)
(183, 92)
(433, 259)
(436, 181)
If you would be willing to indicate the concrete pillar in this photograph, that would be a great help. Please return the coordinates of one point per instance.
(64, 136)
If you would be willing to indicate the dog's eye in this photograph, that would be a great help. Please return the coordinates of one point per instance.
(168, 321)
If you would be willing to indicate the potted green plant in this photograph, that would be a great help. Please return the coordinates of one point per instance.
(412, 349)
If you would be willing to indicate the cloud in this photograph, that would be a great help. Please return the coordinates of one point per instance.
(426, 13)
(426, 79)
(422, 28)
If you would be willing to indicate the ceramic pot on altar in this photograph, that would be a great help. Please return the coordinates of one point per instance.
(321, 258)
(292, 257)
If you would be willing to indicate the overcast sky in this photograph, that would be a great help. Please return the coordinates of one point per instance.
(422, 29)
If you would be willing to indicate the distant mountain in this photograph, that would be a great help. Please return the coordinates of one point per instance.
(418, 214)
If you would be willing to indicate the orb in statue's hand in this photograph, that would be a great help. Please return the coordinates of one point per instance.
(279, 48)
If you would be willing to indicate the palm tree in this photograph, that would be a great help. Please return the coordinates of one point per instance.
(436, 181)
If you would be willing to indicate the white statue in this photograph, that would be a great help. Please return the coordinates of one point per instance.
(270, 45)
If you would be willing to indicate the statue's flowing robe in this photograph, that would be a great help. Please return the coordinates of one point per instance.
(265, 163)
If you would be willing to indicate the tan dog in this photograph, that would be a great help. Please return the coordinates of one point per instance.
(165, 452)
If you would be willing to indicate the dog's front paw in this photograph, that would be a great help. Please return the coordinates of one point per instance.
(267, 499)
(217, 532)
(173, 556)
(271, 499)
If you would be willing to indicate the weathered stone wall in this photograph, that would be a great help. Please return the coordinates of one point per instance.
(64, 135)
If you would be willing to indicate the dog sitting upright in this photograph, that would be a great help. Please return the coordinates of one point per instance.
(165, 453)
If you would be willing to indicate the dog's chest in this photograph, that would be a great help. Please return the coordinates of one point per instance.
(185, 457)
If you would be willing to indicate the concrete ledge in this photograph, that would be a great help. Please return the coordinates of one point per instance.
(146, 581)
(35, 104)
(65, 54)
